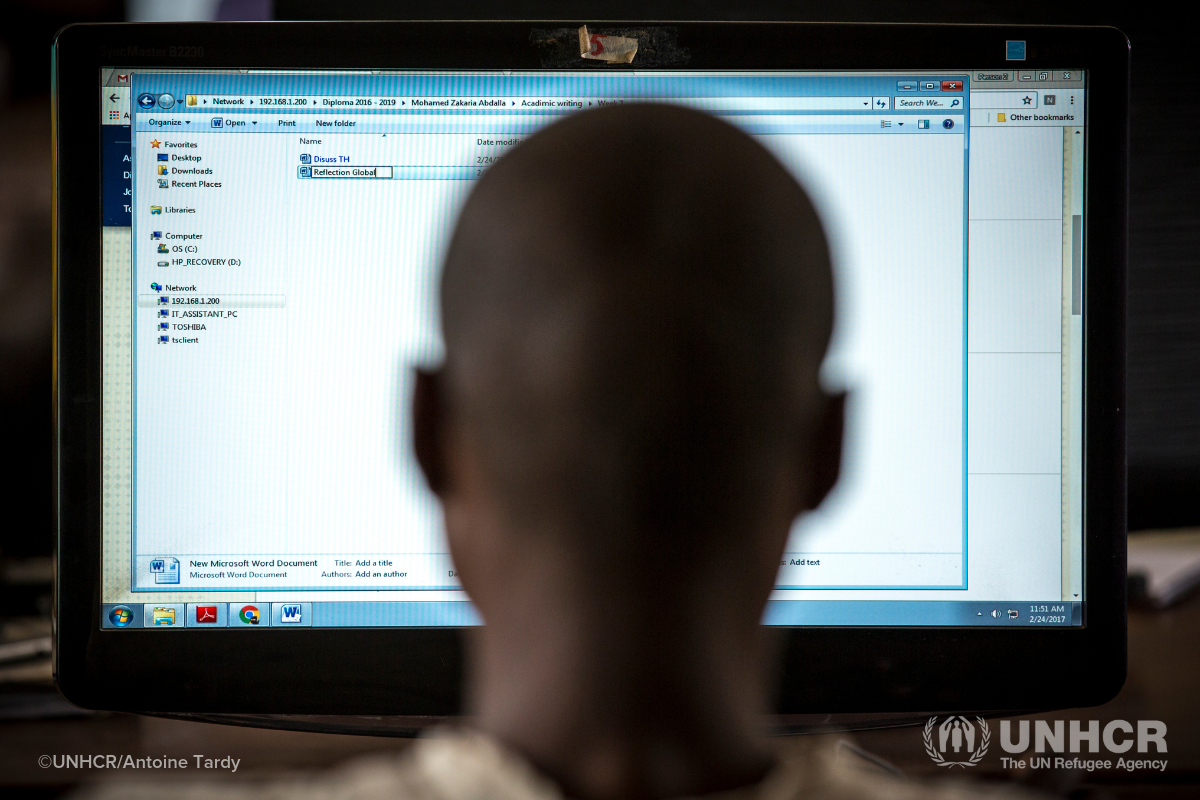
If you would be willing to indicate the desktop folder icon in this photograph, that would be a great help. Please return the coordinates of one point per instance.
(163, 156)
(1000, 117)
(163, 616)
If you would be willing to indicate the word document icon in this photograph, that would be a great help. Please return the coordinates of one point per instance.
(165, 569)
(290, 614)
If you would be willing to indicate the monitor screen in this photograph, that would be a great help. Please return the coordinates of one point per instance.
(271, 246)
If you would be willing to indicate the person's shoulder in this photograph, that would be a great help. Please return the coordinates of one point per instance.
(837, 770)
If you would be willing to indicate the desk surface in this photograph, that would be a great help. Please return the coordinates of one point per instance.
(1164, 684)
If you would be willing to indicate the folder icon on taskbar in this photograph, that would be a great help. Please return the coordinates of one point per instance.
(163, 616)
(155, 209)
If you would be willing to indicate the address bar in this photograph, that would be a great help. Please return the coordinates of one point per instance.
(330, 103)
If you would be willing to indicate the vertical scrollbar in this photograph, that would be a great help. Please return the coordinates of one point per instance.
(1072, 365)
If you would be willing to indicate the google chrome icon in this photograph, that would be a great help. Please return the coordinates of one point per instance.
(120, 616)
(249, 615)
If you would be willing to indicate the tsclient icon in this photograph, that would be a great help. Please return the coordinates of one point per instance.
(165, 569)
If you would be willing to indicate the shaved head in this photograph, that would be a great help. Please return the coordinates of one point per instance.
(636, 302)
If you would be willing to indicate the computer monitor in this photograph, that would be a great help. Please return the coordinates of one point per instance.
(250, 221)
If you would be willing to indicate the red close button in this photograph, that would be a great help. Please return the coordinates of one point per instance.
(951, 86)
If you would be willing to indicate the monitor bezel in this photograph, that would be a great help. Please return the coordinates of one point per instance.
(419, 671)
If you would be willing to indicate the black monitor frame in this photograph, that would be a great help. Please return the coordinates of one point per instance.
(419, 671)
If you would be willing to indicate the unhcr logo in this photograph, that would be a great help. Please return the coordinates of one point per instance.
(959, 741)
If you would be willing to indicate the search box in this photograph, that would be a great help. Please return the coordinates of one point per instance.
(1027, 99)
(921, 103)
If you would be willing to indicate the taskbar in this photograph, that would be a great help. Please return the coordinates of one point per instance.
(458, 614)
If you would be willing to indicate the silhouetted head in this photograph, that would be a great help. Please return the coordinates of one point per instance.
(636, 303)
